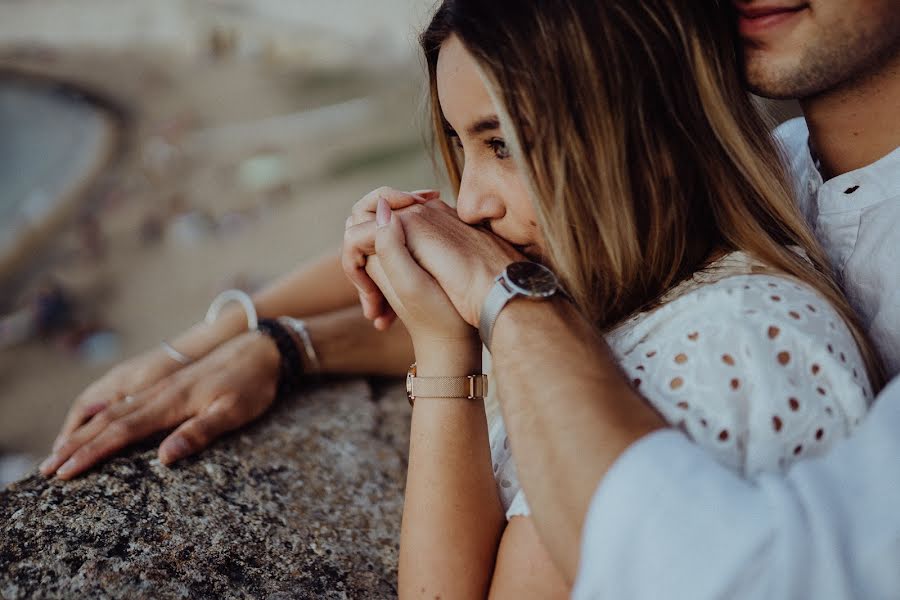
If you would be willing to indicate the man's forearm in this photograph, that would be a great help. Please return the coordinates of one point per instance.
(569, 413)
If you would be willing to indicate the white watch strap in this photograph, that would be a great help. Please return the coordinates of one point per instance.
(493, 304)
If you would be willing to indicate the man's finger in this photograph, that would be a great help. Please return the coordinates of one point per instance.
(220, 417)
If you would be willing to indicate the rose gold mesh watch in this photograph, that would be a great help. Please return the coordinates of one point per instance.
(470, 387)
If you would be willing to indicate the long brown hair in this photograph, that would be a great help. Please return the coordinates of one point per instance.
(642, 149)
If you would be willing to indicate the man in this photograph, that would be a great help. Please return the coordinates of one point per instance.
(666, 521)
(841, 59)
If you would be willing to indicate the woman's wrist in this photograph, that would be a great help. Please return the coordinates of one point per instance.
(202, 338)
(448, 358)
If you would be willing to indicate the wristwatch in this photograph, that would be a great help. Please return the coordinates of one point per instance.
(526, 279)
(470, 387)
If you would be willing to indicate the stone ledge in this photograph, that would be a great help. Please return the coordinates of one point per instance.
(305, 503)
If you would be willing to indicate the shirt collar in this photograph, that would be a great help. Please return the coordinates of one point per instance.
(857, 189)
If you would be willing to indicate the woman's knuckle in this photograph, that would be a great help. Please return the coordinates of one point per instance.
(196, 435)
(119, 432)
(69, 447)
(102, 419)
(89, 454)
(352, 238)
(176, 394)
(348, 264)
(418, 212)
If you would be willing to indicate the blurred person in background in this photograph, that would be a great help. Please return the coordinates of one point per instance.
(235, 381)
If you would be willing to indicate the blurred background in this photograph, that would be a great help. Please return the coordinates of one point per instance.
(154, 153)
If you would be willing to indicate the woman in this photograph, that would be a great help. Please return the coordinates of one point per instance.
(613, 142)
(626, 126)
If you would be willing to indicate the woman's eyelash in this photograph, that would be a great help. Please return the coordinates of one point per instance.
(499, 147)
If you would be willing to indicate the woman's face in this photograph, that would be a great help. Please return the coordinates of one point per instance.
(492, 191)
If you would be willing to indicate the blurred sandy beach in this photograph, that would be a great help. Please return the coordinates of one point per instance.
(247, 130)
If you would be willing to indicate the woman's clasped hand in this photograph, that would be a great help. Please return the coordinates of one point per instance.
(421, 262)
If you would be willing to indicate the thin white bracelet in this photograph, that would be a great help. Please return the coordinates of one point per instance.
(175, 355)
(298, 326)
(233, 296)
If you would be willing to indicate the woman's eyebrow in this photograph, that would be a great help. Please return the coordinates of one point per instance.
(489, 123)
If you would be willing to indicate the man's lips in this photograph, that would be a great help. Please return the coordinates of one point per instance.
(757, 19)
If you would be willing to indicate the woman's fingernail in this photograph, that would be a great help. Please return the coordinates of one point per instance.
(176, 449)
(67, 468)
(48, 462)
(383, 213)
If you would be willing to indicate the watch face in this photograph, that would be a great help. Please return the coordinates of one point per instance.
(532, 279)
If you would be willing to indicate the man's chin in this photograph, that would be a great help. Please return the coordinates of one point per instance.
(764, 77)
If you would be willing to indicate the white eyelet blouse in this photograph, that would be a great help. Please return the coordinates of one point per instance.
(756, 368)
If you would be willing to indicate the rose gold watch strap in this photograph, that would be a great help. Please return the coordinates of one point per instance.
(472, 387)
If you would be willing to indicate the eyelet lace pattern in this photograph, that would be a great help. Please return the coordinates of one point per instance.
(756, 368)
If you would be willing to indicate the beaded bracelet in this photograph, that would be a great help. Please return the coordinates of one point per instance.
(290, 370)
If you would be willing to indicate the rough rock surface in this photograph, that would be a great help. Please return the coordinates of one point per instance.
(305, 503)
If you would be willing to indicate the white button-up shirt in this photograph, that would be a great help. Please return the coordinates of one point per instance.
(668, 521)
(856, 216)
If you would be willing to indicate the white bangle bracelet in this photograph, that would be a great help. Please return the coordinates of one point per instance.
(233, 296)
(299, 327)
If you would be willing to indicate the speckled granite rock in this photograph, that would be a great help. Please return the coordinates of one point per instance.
(305, 503)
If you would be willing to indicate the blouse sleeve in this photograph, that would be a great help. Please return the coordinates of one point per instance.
(758, 370)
